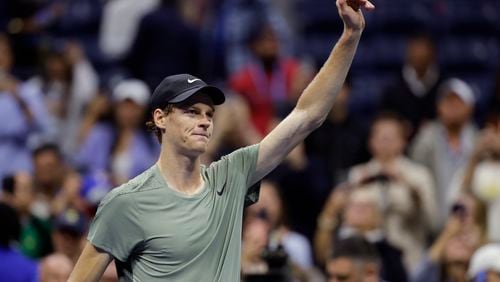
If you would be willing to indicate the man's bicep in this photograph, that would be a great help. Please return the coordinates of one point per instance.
(280, 141)
(91, 264)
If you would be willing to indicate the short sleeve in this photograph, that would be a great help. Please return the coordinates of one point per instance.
(115, 228)
(243, 162)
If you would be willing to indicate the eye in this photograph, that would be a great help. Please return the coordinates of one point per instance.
(191, 111)
(210, 115)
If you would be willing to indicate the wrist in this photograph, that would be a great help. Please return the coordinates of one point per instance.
(350, 32)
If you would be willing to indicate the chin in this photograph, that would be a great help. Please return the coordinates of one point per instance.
(199, 149)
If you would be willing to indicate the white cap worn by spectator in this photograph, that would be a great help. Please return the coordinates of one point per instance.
(133, 89)
(486, 258)
(458, 87)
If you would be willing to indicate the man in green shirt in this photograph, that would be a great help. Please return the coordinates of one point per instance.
(181, 221)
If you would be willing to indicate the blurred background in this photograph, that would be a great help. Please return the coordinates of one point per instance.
(401, 182)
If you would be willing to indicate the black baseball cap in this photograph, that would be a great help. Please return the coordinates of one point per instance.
(177, 88)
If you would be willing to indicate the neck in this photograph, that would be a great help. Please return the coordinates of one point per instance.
(386, 160)
(181, 172)
(454, 130)
(268, 64)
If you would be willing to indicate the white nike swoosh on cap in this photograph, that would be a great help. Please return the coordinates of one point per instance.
(192, 80)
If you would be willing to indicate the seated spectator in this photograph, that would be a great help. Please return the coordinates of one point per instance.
(13, 265)
(25, 118)
(413, 94)
(34, 239)
(50, 169)
(235, 22)
(445, 145)
(263, 259)
(355, 259)
(449, 256)
(68, 237)
(485, 263)
(357, 211)
(55, 268)
(57, 185)
(405, 188)
(122, 146)
(254, 242)
(268, 82)
(68, 82)
(270, 206)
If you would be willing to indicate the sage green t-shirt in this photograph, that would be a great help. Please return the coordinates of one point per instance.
(158, 234)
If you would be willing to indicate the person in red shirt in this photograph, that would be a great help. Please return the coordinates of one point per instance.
(269, 83)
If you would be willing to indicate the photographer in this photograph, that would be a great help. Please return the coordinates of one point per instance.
(480, 179)
(356, 212)
(270, 247)
(449, 256)
(406, 189)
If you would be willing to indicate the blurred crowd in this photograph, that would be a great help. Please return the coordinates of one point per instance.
(401, 182)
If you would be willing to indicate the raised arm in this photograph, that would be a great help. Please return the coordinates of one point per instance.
(91, 265)
(317, 99)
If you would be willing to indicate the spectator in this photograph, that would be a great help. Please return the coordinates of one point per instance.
(268, 82)
(255, 239)
(50, 170)
(121, 147)
(405, 187)
(480, 177)
(22, 106)
(355, 259)
(69, 83)
(69, 234)
(413, 94)
(445, 145)
(357, 211)
(271, 207)
(238, 19)
(57, 185)
(55, 268)
(34, 239)
(449, 256)
(13, 265)
(153, 56)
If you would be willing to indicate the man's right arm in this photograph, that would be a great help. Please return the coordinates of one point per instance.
(91, 265)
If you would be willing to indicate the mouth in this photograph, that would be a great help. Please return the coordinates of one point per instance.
(204, 136)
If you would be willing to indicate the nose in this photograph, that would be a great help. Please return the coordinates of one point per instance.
(205, 122)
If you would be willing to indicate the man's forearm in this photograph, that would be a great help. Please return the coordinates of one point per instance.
(317, 99)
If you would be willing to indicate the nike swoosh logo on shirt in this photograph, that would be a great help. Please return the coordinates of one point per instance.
(219, 192)
(192, 80)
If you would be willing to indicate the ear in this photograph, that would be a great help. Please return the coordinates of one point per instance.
(159, 118)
